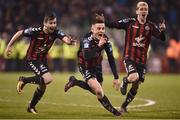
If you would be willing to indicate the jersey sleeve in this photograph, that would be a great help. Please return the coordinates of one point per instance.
(121, 24)
(108, 48)
(111, 60)
(157, 33)
(30, 31)
(60, 34)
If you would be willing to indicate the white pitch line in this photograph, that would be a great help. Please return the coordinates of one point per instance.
(148, 103)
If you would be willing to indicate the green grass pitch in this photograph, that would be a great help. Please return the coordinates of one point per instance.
(163, 89)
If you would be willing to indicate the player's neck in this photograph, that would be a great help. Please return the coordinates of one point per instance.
(141, 21)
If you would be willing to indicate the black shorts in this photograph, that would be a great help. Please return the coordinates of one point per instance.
(90, 73)
(38, 67)
(132, 67)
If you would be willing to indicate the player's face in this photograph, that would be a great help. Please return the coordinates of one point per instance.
(98, 29)
(51, 25)
(142, 11)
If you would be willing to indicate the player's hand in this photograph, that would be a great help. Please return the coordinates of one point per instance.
(8, 51)
(116, 84)
(102, 41)
(72, 41)
(98, 16)
(162, 25)
(68, 40)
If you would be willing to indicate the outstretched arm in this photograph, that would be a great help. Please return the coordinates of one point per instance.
(114, 24)
(16, 36)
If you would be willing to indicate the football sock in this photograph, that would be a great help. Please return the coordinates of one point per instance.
(33, 80)
(130, 96)
(37, 95)
(126, 80)
(107, 105)
(83, 85)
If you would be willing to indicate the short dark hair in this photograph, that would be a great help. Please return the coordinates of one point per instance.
(97, 18)
(49, 16)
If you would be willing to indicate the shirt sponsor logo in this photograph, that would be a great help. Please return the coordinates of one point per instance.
(139, 41)
(135, 26)
(40, 38)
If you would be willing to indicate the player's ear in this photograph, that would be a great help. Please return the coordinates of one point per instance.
(92, 27)
(44, 23)
(137, 11)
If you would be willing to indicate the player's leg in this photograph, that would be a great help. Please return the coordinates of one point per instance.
(37, 79)
(134, 89)
(130, 96)
(75, 82)
(132, 76)
(80, 83)
(39, 92)
(97, 88)
(45, 78)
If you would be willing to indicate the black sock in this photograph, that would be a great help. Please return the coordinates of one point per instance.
(126, 80)
(34, 80)
(130, 96)
(84, 85)
(107, 105)
(37, 95)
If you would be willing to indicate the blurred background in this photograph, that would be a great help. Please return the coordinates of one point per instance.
(74, 19)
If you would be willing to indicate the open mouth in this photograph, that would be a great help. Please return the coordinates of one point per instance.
(143, 15)
(51, 29)
(100, 35)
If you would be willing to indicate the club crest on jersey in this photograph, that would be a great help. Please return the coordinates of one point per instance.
(50, 38)
(147, 28)
(86, 45)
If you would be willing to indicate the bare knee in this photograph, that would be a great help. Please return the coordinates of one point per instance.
(133, 77)
(47, 78)
(96, 87)
(99, 92)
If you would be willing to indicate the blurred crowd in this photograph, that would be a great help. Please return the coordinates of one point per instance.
(74, 18)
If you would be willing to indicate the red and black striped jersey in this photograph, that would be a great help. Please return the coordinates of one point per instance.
(90, 54)
(137, 38)
(40, 42)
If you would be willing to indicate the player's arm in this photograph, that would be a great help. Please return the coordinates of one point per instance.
(121, 24)
(67, 39)
(111, 60)
(159, 32)
(115, 24)
(16, 37)
(26, 32)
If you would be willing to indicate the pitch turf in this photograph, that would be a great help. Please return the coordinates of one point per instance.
(163, 89)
